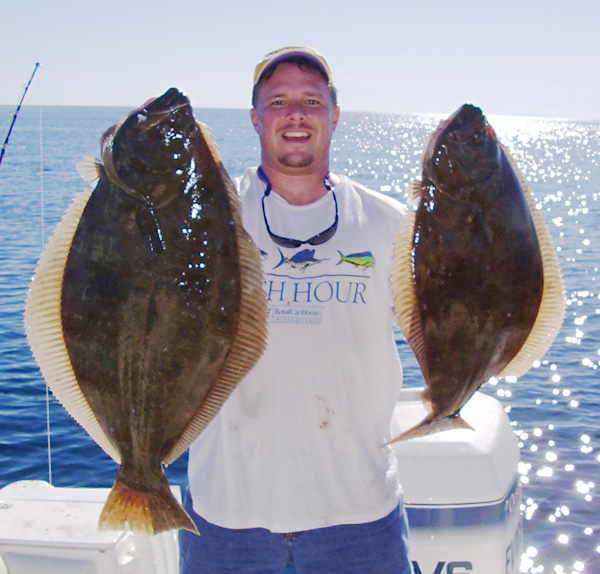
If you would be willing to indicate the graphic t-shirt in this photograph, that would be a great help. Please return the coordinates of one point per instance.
(300, 444)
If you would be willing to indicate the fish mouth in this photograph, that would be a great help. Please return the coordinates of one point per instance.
(152, 139)
(467, 114)
(462, 150)
(155, 110)
(463, 123)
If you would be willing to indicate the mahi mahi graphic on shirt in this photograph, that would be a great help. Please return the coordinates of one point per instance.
(363, 259)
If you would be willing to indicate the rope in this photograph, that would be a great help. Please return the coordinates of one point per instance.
(43, 218)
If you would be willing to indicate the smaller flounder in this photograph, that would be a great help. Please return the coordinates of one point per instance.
(476, 281)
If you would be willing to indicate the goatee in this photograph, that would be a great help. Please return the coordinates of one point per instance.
(304, 161)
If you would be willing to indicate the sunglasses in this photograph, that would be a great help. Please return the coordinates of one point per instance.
(317, 239)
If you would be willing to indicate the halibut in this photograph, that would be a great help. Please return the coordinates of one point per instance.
(477, 285)
(147, 306)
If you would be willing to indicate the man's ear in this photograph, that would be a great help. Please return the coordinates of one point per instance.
(254, 118)
(335, 116)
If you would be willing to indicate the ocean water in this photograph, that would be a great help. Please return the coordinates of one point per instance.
(555, 408)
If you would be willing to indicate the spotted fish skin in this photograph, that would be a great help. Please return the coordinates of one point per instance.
(475, 266)
(161, 306)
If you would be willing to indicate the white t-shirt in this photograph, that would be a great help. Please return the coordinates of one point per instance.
(300, 442)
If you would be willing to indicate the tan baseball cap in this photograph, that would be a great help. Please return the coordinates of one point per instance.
(283, 54)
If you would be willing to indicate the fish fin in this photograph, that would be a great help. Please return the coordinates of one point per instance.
(413, 193)
(404, 295)
(144, 512)
(250, 339)
(43, 325)
(430, 426)
(212, 146)
(552, 307)
(90, 169)
(401, 274)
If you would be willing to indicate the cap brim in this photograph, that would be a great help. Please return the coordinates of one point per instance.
(286, 54)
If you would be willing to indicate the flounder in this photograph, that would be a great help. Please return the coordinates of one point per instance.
(147, 306)
(477, 286)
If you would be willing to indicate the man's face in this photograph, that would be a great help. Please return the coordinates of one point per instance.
(294, 117)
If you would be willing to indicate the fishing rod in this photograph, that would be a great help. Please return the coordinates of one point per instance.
(37, 65)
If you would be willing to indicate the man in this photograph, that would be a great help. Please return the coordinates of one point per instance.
(294, 468)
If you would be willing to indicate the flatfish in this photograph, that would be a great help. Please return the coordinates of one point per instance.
(147, 305)
(477, 286)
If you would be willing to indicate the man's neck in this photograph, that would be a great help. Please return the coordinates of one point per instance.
(299, 188)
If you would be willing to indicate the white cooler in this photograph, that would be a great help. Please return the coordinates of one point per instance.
(462, 490)
(50, 530)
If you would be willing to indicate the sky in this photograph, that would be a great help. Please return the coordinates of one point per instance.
(510, 57)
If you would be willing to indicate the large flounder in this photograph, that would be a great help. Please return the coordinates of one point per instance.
(147, 306)
(477, 286)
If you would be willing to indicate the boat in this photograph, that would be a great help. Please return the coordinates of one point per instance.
(461, 489)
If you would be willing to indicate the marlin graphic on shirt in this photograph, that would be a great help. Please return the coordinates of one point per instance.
(300, 260)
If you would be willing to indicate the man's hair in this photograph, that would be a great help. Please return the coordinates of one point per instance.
(305, 64)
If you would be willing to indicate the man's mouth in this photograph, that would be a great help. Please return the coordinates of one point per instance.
(296, 135)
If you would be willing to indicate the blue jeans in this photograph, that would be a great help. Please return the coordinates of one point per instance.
(378, 547)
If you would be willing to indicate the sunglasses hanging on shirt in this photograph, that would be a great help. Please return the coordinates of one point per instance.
(317, 239)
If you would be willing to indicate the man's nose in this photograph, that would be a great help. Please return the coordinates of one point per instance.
(296, 110)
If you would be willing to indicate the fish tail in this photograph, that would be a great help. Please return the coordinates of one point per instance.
(282, 259)
(146, 512)
(430, 426)
(342, 257)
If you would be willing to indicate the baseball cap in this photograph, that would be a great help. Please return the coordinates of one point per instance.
(283, 54)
